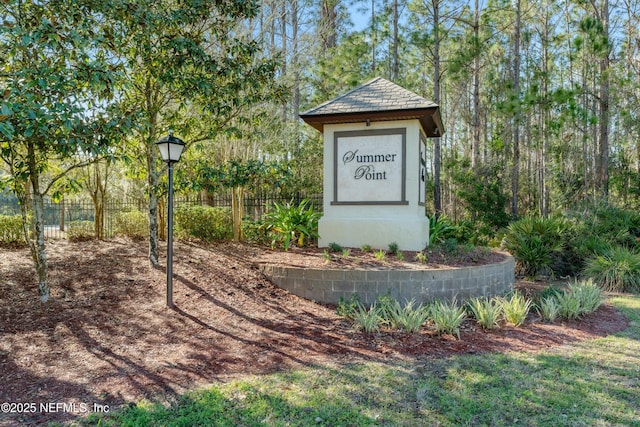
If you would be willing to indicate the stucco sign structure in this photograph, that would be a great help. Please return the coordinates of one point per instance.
(375, 166)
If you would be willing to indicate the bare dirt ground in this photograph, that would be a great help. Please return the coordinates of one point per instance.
(107, 337)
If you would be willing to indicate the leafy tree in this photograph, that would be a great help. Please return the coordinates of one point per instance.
(191, 67)
(56, 85)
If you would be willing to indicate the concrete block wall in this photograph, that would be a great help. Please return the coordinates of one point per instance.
(329, 285)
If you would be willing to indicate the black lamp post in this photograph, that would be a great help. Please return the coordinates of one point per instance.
(170, 149)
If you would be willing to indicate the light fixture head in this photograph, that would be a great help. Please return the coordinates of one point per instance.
(171, 148)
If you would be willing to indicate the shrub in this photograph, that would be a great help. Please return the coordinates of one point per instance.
(618, 270)
(589, 295)
(536, 244)
(204, 223)
(254, 232)
(393, 248)
(515, 308)
(440, 229)
(347, 307)
(447, 317)
(411, 317)
(580, 298)
(380, 255)
(570, 307)
(549, 308)
(335, 247)
(133, 224)
(80, 230)
(367, 320)
(11, 230)
(487, 312)
(366, 248)
(288, 223)
(420, 256)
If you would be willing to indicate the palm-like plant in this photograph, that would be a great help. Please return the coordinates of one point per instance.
(289, 223)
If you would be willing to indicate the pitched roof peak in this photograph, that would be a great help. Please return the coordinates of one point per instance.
(377, 99)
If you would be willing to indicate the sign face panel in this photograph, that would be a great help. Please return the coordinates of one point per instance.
(369, 167)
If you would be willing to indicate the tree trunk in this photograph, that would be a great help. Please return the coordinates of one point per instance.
(516, 117)
(475, 149)
(603, 122)
(237, 211)
(395, 69)
(437, 156)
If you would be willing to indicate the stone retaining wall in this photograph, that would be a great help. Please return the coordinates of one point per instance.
(329, 285)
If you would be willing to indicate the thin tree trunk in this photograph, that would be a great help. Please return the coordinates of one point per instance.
(516, 119)
(437, 156)
(395, 69)
(603, 122)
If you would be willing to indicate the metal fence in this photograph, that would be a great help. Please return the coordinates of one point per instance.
(58, 216)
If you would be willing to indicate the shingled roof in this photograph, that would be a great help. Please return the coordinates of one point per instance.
(376, 100)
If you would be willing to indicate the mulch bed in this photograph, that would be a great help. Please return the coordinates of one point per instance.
(107, 337)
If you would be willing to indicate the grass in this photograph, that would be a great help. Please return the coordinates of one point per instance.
(594, 383)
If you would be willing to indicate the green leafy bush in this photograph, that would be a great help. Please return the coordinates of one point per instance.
(536, 244)
(487, 312)
(618, 270)
(254, 232)
(447, 317)
(288, 223)
(411, 317)
(335, 247)
(11, 231)
(347, 307)
(80, 230)
(440, 229)
(204, 223)
(515, 308)
(393, 248)
(132, 224)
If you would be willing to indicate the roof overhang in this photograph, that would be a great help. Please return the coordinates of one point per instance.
(429, 118)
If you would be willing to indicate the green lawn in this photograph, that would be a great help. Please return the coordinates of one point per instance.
(595, 383)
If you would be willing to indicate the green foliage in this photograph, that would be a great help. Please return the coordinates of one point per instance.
(348, 307)
(549, 308)
(287, 223)
(380, 255)
(408, 318)
(440, 229)
(515, 308)
(618, 270)
(589, 295)
(400, 256)
(366, 248)
(422, 257)
(393, 248)
(447, 317)
(346, 252)
(11, 231)
(133, 224)
(570, 307)
(335, 247)
(367, 320)
(487, 312)
(254, 232)
(78, 231)
(204, 223)
(536, 244)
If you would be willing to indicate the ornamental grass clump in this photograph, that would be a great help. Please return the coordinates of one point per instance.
(487, 312)
(515, 308)
(549, 308)
(367, 320)
(589, 295)
(409, 317)
(447, 317)
(617, 270)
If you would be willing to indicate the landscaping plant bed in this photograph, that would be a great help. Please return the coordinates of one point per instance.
(107, 337)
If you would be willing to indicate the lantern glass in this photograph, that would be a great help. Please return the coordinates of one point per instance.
(170, 148)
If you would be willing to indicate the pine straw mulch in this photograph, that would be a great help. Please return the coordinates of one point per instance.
(107, 336)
